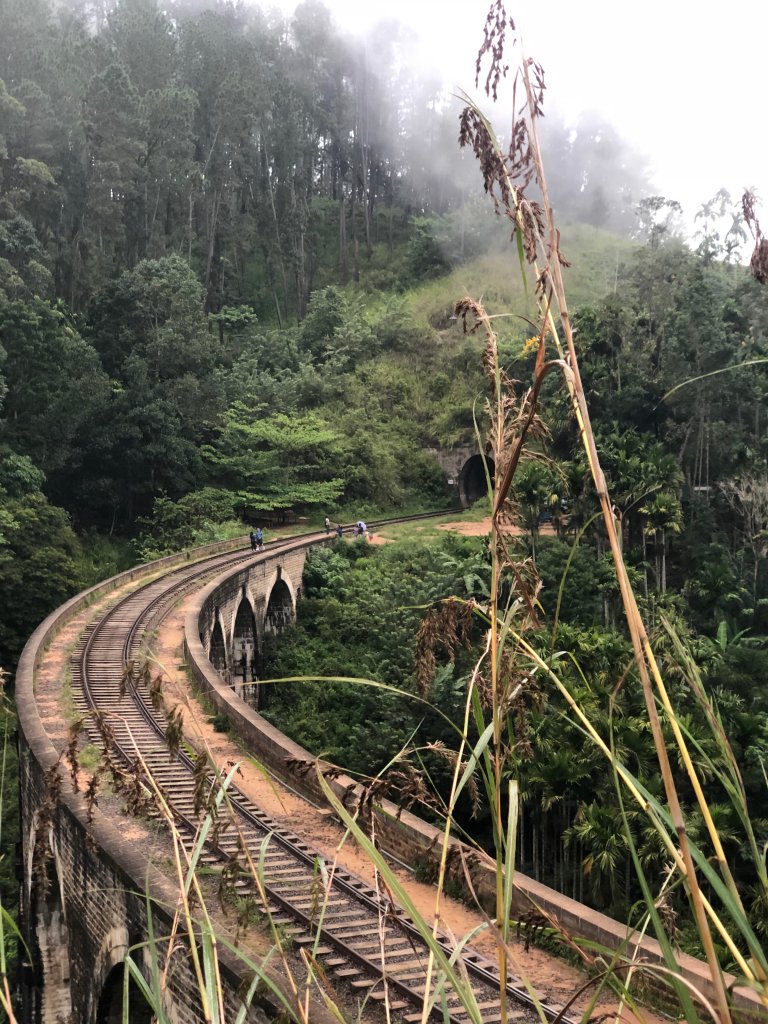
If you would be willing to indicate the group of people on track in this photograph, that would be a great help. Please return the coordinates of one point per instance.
(360, 529)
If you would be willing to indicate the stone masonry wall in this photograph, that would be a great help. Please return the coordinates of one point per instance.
(80, 923)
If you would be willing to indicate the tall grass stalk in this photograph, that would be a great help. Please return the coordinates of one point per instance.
(507, 175)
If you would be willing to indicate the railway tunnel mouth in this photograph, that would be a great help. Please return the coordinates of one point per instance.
(472, 481)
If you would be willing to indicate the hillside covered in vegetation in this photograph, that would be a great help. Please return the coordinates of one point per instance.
(230, 253)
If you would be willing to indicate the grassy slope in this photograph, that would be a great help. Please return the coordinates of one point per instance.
(444, 374)
(596, 257)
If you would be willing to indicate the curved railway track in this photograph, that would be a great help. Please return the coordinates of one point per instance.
(358, 936)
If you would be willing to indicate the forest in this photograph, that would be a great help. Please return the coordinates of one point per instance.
(231, 245)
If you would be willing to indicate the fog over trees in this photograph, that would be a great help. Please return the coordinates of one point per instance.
(254, 145)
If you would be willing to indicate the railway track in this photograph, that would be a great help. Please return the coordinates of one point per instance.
(356, 933)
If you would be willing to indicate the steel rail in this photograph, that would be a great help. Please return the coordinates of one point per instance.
(343, 882)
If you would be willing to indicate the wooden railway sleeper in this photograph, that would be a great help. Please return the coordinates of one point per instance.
(301, 849)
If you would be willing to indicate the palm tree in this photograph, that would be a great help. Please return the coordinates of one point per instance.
(663, 515)
(748, 496)
(600, 830)
(535, 490)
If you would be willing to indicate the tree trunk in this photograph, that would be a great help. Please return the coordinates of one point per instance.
(277, 309)
(343, 266)
(213, 222)
(276, 223)
(645, 565)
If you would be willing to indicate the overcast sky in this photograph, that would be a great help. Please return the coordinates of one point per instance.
(682, 81)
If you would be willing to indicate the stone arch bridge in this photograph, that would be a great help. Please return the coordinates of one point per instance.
(247, 606)
(83, 883)
(84, 905)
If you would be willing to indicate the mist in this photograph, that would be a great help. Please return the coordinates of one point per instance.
(257, 141)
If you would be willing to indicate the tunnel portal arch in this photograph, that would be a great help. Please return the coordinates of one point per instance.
(472, 482)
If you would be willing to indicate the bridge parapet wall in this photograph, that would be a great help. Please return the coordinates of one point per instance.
(88, 903)
(99, 886)
(414, 841)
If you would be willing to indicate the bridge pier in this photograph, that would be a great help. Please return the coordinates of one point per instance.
(256, 601)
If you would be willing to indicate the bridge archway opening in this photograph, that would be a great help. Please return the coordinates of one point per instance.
(279, 607)
(472, 482)
(110, 1008)
(218, 655)
(246, 657)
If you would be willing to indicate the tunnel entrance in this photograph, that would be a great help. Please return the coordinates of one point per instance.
(472, 482)
(279, 607)
(218, 655)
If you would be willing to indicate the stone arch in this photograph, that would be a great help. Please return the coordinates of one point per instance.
(246, 651)
(281, 604)
(107, 989)
(218, 648)
(109, 1009)
(472, 482)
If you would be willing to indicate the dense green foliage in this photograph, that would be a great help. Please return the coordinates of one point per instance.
(228, 263)
(687, 465)
(359, 618)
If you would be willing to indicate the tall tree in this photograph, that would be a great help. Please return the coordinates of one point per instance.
(55, 384)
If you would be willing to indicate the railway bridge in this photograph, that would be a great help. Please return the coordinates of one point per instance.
(256, 600)
(85, 875)
(96, 886)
